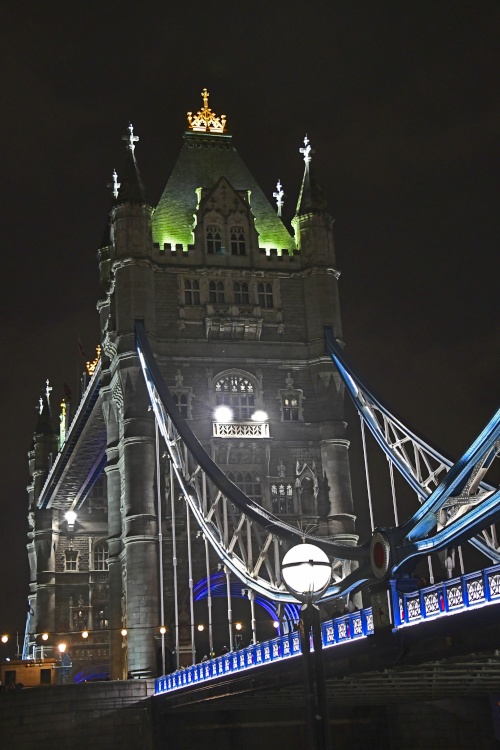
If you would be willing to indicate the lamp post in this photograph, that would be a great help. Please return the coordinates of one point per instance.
(307, 572)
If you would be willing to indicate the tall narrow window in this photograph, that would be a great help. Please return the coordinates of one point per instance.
(291, 408)
(101, 556)
(214, 239)
(265, 294)
(70, 560)
(182, 401)
(282, 498)
(238, 393)
(238, 243)
(241, 296)
(191, 292)
(216, 291)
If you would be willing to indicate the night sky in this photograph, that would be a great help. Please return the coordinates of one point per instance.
(400, 102)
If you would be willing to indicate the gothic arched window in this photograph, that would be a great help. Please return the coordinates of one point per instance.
(216, 291)
(191, 292)
(241, 295)
(238, 242)
(282, 498)
(214, 239)
(100, 556)
(237, 392)
(265, 294)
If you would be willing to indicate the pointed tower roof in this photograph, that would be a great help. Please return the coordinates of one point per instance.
(44, 424)
(131, 187)
(207, 155)
(311, 200)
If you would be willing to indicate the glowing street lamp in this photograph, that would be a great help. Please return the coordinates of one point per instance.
(123, 632)
(61, 647)
(223, 414)
(307, 571)
(4, 638)
(70, 517)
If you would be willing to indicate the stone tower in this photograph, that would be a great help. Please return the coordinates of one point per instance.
(234, 307)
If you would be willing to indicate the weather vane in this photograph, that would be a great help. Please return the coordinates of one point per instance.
(279, 196)
(306, 151)
(131, 138)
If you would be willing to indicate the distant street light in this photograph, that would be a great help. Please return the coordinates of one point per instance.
(307, 572)
(5, 638)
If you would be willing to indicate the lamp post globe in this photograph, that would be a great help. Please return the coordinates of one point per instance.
(306, 571)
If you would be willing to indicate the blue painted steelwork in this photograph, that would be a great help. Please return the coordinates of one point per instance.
(467, 592)
(459, 506)
(218, 588)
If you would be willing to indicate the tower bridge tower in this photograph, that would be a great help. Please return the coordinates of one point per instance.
(234, 306)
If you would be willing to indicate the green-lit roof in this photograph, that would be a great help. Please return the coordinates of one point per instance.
(204, 159)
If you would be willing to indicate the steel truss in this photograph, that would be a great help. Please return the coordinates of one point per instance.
(248, 539)
(456, 504)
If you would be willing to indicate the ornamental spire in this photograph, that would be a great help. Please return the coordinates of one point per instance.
(306, 151)
(206, 121)
(131, 138)
(279, 197)
(115, 185)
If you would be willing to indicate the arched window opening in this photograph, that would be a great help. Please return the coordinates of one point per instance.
(265, 294)
(214, 239)
(238, 393)
(216, 291)
(241, 295)
(238, 242)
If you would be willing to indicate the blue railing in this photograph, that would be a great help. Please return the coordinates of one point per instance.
(467, 592)
(346, 628)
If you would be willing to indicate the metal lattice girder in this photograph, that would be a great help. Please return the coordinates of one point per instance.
(455, 499)
(248, 539)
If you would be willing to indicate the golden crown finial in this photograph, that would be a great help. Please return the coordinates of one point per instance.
(206, 121)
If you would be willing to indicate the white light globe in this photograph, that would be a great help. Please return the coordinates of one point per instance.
(70, 517)
(306, 569)
(223, 414)
(259, 416)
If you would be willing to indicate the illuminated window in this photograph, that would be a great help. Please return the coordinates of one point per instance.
(70, 559)
(291, 406)
(241, 296)
(214, 239)
(191, 292)
(238, 393)
(216, 291)
(238, 243)
(101, 618)
(249, 483)
(282, 498)
(265, 294)
(101, 556)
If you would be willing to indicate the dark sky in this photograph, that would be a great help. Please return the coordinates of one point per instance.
(401, 104)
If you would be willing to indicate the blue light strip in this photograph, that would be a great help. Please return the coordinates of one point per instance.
(467, 592)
